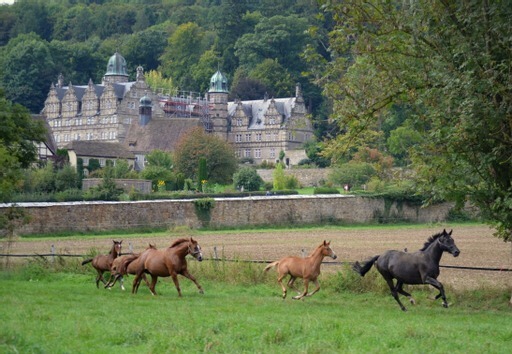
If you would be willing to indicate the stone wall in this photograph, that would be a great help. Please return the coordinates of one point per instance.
(307, 177)
(227, 212)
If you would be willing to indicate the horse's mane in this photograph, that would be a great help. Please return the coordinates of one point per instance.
(178, 242)
(431, 240)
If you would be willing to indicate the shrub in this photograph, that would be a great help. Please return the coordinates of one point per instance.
(248, 178)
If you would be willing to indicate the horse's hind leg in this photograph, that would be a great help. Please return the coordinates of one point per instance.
(436, 284)
(280, 281)
(98, 278)
(394, 292)
(400, 289)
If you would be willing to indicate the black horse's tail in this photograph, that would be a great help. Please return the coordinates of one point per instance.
(87, 261)
(363, 269)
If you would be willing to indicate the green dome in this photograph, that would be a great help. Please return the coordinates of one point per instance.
(218, 83)
(116, 65)
(145, 101)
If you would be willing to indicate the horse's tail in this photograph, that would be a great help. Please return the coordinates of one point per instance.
(87, 261)
(271, 265)
(363, 269)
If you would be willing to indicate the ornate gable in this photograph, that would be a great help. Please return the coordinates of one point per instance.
(69, 103)
(52, 107)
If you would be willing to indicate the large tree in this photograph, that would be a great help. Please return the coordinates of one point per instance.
(449, 63)
(220, 158)
(18, 133)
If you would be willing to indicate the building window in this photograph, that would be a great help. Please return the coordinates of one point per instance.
(239, 122)
(247, 153)
(238, 138)
(257, 153)
(272, 120)
(248, 137)
(258, 136)
(102, 162)
(272, 153)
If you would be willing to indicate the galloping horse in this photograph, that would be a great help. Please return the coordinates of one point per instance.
(169, 262)
(307, 268)
(421, 267)
(124, 265)
(102, 263)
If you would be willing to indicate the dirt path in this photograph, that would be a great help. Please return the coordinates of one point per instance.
(479, 248)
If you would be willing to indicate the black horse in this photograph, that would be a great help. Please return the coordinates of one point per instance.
(421, 267)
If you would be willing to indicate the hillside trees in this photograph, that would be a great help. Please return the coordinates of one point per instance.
(449, 64)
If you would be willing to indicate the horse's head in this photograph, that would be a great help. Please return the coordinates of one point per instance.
(117, 246)
(327, 250)
(194, 249)
(448, 244)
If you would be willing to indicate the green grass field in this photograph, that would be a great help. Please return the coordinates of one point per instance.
(57, 309)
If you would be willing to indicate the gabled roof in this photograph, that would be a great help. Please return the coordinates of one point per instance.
(100, 149)
(257, 109)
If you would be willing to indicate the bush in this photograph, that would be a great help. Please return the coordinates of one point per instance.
(353, 174)
(248, 178)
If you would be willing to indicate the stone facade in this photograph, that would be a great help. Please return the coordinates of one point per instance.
(125, 112)
(226, 212)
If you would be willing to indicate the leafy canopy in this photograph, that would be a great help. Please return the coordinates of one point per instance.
(449, 63)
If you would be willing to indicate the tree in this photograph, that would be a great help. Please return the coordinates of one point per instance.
(220, 158)
(248, 178)
(18, 133)
(449, 63)
(27, 68)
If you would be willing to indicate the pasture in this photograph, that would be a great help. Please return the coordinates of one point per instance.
(56, 307)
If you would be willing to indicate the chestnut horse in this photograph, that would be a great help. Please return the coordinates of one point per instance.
(169, 262)
(102, 263)
(306, 268)
(123, 265)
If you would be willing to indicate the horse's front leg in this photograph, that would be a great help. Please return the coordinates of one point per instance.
(186, 274)
(317, 284)
(176, 283)
(291, 284)
(437, 284)
(99, 278)
(306, 285)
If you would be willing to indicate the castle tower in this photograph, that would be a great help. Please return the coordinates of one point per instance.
(218, 98)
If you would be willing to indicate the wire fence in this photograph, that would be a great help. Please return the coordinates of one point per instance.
(215, 258)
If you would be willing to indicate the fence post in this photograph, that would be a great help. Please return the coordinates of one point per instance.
(215, 253)
(52, 251)
(130, 247)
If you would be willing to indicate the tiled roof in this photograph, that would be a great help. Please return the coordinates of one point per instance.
(100, 149)
(161, 134)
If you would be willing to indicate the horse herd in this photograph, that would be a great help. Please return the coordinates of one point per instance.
(421, 267)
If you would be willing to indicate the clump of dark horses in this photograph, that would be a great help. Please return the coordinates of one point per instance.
(421, 267)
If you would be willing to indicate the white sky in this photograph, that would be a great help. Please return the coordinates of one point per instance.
(6, 2)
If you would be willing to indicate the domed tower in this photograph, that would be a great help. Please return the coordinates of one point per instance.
(145, 110)
(218, 98)
(116, 69)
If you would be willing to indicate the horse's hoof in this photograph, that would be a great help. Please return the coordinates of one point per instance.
(412, 301)
(445, 305)
(201, 291)
(404, 309)
(297, 297)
